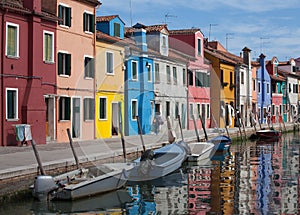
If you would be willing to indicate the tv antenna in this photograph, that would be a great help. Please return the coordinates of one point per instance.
(262, 42)
(167, 16)
(227, 38)
(210, 25)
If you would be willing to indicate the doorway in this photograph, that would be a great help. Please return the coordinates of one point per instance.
(115, 119)
(76, 117)
(50, 118)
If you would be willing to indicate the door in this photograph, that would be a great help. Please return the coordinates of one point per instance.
(50, 118)
(183, 116)
(115, 119)
(76, 117)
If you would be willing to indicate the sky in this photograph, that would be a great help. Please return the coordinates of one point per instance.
(271, 27)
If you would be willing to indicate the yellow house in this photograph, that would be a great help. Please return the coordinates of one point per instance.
(223, 90)
(109, 104)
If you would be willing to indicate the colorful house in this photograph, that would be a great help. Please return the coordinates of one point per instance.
(75, 44)
(191, 43)
(27, 68)
(109, 76)
(264, 91)
(139, 87)
(278, 84)
(223, 79)
(254, 67)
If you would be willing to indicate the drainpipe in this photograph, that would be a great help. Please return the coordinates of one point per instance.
(2, 81)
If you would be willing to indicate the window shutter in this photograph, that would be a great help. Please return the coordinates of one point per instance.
(92, 108)
(84, 21)
(85, 111)
(68, 108)
(60, 8)
(60, 63)
(68, 64)
(69, 16)
(92, 67)
(92, 23)
(60, 108)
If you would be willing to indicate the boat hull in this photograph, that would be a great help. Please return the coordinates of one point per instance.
(222, 142)
(201, 151)
(268, 135)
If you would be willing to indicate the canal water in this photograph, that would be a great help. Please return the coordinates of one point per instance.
(252, 178)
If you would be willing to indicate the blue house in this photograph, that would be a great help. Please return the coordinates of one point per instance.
(264, 90)
(139, 83)
(111, 25)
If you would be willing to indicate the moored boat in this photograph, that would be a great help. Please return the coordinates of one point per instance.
(268, 134)
(222, 142)
(201, 151)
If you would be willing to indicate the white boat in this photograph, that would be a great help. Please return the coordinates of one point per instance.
(159, 162)
(82, 182)
(201, 151)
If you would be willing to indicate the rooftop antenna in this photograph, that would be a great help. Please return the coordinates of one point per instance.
(130, 13)
(227, 38)
(167, 16)
(262, 42)
(210, 25)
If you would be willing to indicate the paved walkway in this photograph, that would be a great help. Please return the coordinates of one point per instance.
(17, 161)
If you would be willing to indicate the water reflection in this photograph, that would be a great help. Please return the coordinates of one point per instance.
(253, 178)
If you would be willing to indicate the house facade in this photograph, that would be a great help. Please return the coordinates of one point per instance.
(191, 43)
(75, 99)
(263, 91)
(27, 68)
(139, 87)
(109, 76)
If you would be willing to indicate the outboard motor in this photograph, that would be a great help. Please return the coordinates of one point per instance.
(146, 162)
(147, 155)
(43, 185)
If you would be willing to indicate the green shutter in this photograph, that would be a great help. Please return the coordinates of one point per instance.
(60, 63)
(84, 21)
(92, 67)
(92, 23)
(69, 14)
(68, 64)
(60, 8)
(68, 108)
(92, 109)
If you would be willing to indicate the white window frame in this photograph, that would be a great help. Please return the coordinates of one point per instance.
(137, 70)
(64, 52)
(92, 14)
(136, 109)
(149, 70)
(17, 104)
(92, 58)
(18, 40)
(106, 63)
(52, 46)
(106, 110)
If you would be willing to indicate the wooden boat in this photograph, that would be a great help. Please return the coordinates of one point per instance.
(159, 162)
(201, 151)
(82, 182)
(268, 134)
(222, 142)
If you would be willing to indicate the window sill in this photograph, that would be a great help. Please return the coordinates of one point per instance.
(64, 26)
(49, 62)
(64, 120)
(13, 57)
(89, 32)
(88, 78)
(102, 119)
(64, 76)
(12, 120)
(110, 74)
(89, 120)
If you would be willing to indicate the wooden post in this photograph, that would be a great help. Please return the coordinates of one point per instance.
(121, 133)
(179, 121)
(226, 127)
(72, 147)
(203, 127)
(258, 120)
(140, 132)
(196, 130)
(37, 156)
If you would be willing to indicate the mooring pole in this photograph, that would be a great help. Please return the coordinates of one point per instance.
(179, 121)
(203, 127)
(140, 132)
(195, 127)
(37, 156)
(72, 147)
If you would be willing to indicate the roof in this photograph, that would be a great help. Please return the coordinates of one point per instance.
(287, 73)
(184, 31)
(216, 54)
(107, 18)
(149, 29)
(105, 37)
(216, 45)
(92, 2)
(277, 78)
(14, 5)
(225, 56)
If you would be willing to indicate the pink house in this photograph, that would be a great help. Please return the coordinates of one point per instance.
(28, 34)
(190, 42)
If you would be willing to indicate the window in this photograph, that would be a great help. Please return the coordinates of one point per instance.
(176, 109)
(184, 76)
(89, 67)
(203, 111)
(64, 64)
(207, 111)
(102, 107)
(88, 22)
(191, 111)
(11, 103)
(259, 87)
(134, 70)
(174, 75)
(64, 13)
(199, 79)
(199, 50)
(164, 41)
(231, 77)
(198, 111)
(254, 85)
(157, 78)
(191, 78)
(109, 63)
(242, 77)
(48, 47)
(168, 74)
(167, 109)
(89, 110)
(268, 88)
(134, 109)
(149, 71)
(64, 108)
(12, 40)
(117, 32)
(222, 77)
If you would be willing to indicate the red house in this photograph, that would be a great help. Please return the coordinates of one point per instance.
(190, 41)
(27, 67)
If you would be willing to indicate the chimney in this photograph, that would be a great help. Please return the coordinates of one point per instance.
(140, 39)
(33, 5)
(246, 55)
